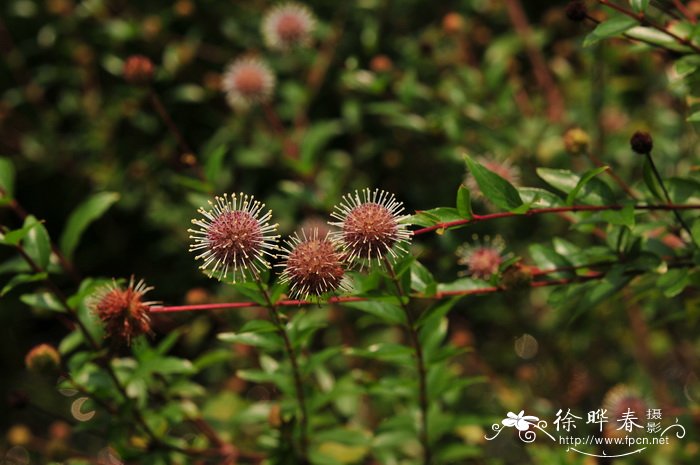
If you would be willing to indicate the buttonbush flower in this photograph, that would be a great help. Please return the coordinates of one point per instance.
(483, 257)
(43, 359)
(313, 265)
(616, 402)
(234, 237)
(372, 226)
(248, 81)
(288, 25)
(124, 313)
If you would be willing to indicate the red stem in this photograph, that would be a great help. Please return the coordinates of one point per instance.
(541, 211)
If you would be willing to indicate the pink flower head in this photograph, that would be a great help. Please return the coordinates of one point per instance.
(288, 25)
(248, 81)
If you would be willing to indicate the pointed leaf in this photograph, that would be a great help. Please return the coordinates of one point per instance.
(495, 188)
(82, 216)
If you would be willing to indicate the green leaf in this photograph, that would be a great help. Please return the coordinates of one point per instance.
(464, 205)
(674, 281)
(639, 6)
(45, 300)
(22, 279)
(594, 191)
(422, 279)
(694, 118)
(37, 243)
(495, 188)
(385, 311)
(434, 216)
(214, 163)
(587, 176)
(267, 341)
(7, 179)
(87, 212)
(315, 139)
(613, 26)
(14, 237)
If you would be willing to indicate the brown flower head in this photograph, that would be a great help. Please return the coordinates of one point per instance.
(313, 266)
(288, 25)
(124, 313)
(234, 237)
(641, 142)
(43, 359)
(247, 81)
(483, 257)
(138, 70)
(372, 225)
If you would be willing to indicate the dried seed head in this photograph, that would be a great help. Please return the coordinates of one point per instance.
(123, 311)
(313, 266)
(483, 257)
(576, 11)
(371, 225)
(43, 359)
(288, 25)
(248, 81)
(576, 141)
(234, 237)
(641, 142)
(138, 70)
(504, 169)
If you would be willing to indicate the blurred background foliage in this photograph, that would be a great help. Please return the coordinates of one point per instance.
(391, 95)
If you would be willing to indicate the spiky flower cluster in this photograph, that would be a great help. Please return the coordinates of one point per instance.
(313, 265)
(248, 81)
(483, 257)
(372, 226)
(235, 240)
(288, 25)
(124, 313)
(617, 402)
(235, 237)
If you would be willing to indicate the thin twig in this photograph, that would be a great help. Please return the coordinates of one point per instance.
(420, 364)
(296, 372)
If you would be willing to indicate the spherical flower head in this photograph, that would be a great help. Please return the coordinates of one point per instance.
(576, 11)
(617, 401)
(372, 226)
(248, 81)
(288, 25)
(504, 169)
(641, 142)
(138, 70)
(123, 311)
(234, 237)
(483, 257)
(452, 23)
(43, 359)
(313, 266)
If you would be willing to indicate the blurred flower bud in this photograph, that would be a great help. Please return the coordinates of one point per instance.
(641, 142)
(576, 141)
(381, 64)
(197, 295)
(138, 70)
(516, 277)
(43, 359)
(452, 23)
(19, 435)
(184, 8)
(59, 430)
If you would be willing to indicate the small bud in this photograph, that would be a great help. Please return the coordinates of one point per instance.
(19, 435)
(641, 142)
(576, 141)
(381, 64)
(576, 11)
(452, 23)
(43, 359)
(138, 70)
(275, 416)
